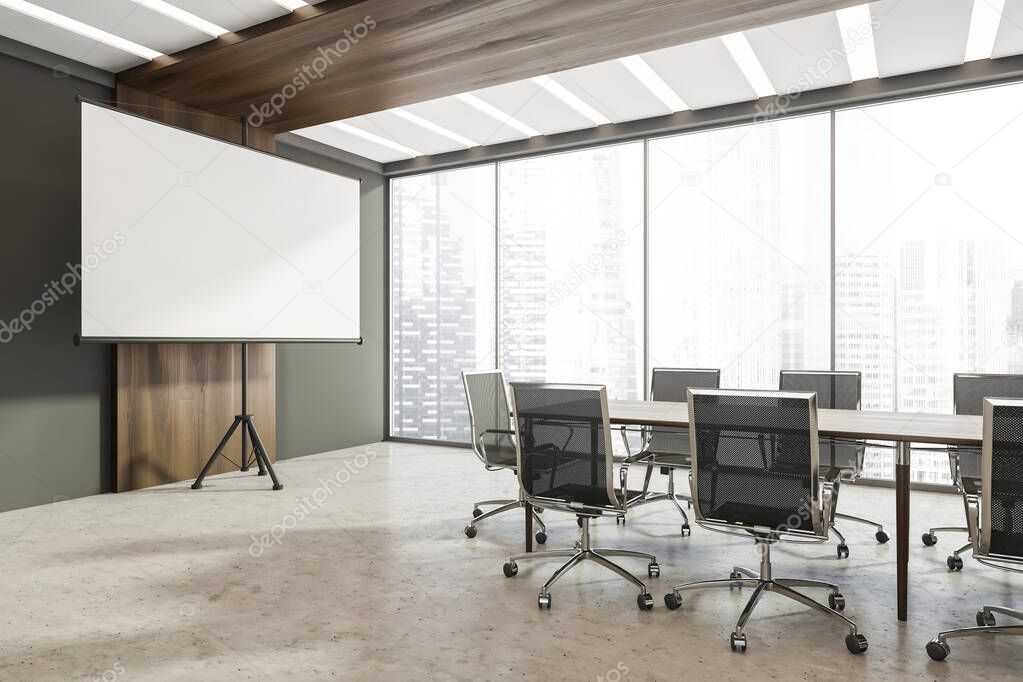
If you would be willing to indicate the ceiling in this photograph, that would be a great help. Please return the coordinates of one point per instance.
(882, 39)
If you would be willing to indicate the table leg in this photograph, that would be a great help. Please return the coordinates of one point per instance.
(529, 526)
(902, 527)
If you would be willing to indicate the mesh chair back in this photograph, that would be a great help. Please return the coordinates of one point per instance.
(672, 385)
(564, 439)
(835, 391)
(968, 394)
(755, 459)
(1002, 488)
(489, 418)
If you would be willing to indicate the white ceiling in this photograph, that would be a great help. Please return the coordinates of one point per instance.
(885, 38)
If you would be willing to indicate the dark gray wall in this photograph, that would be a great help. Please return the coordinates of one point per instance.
(55, 399)
(331, 396)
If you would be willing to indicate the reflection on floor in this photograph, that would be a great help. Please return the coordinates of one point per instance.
(358, 569)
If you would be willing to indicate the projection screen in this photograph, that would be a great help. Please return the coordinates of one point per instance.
(188, 238)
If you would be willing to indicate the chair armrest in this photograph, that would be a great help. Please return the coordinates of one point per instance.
(623, 479)
(827, 502)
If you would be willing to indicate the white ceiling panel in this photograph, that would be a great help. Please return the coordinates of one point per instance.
(703, 73)
(1009, 40)
(25, 29)
(803, 54)
(131, 21)
(390, 126)
(233, 15)
(918, 35)
(534, 106)
(612, 90)
(453, 114)
(334, 137)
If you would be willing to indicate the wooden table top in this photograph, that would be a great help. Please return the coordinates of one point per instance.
(915, 427)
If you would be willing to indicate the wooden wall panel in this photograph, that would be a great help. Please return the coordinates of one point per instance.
(175, 401)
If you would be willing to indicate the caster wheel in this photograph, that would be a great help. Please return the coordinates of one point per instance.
(672, 601)
(843, 551)
(954, 563)
(477, 512)
(938, 651)
(929, 539)
(836, 601)
(470, 531)
(856, 644)
(985, 620)
(653, 569)
(686, 530)
(620, 520)
(541, 538)
(511, 569)
(645, 601)
(737, 642)
(544, 601)
(579, 521)
(881, 537)
(735, 575)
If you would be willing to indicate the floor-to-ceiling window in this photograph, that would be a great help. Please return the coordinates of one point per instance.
(929, 248)
(571, 268)
(928, 261)
(442, 297)
(740, 250)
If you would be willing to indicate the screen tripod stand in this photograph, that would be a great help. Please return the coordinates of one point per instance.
(248, 426)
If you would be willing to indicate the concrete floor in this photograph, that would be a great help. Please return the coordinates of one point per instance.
(371, 578)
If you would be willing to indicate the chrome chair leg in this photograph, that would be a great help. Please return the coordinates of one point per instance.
(798, 582)
(545, 554)
(612, 566)
(938, 648)
(930, 538)
(576, 559)
(491, 503)
(792, 594)
(954, 561)
(748, 609)
(624, 552)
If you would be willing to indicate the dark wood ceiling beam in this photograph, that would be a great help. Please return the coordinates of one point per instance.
(423, 50)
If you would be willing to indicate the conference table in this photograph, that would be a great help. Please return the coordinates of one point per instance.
(901, 428)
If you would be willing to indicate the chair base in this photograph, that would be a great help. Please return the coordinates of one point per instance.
(843, 549)
(584, 552)
(764, 582)
(502, 506)
(938, 648)
(676, 498)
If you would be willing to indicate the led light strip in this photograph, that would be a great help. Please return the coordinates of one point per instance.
(750, 66)
(291, 5)
(433, 127)
(375, 139)
(69, 24)
(638, 67)
(496, 114)
(984, 23)
(857, 29)
(558, 90)
(180, 15)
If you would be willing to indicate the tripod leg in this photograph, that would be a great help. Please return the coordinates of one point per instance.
(261, 455)
(216, 454)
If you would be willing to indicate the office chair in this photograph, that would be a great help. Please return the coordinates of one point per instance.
(493, 441)
(840, 460)
(995, 515)
(968, 394)
(579, 481)
(755, 473)
(668, 448)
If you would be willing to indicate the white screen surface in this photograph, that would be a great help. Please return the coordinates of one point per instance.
(187, 237)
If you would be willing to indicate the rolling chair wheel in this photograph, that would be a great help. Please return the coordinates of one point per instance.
(836, 601)
(738, 643)
(686, 530)
(544, 601)
(856, 644)
(881, 537)
(477, 512)
(954, 563)
(735, 575)
(843, 551)
(510, 569)
(929, 539)
(672, 601)
(620, 519)
(653, 570)
(645, 601)
(470, 531)
(938, 651)
(541, 538)
(987, 620)
(579, 521)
